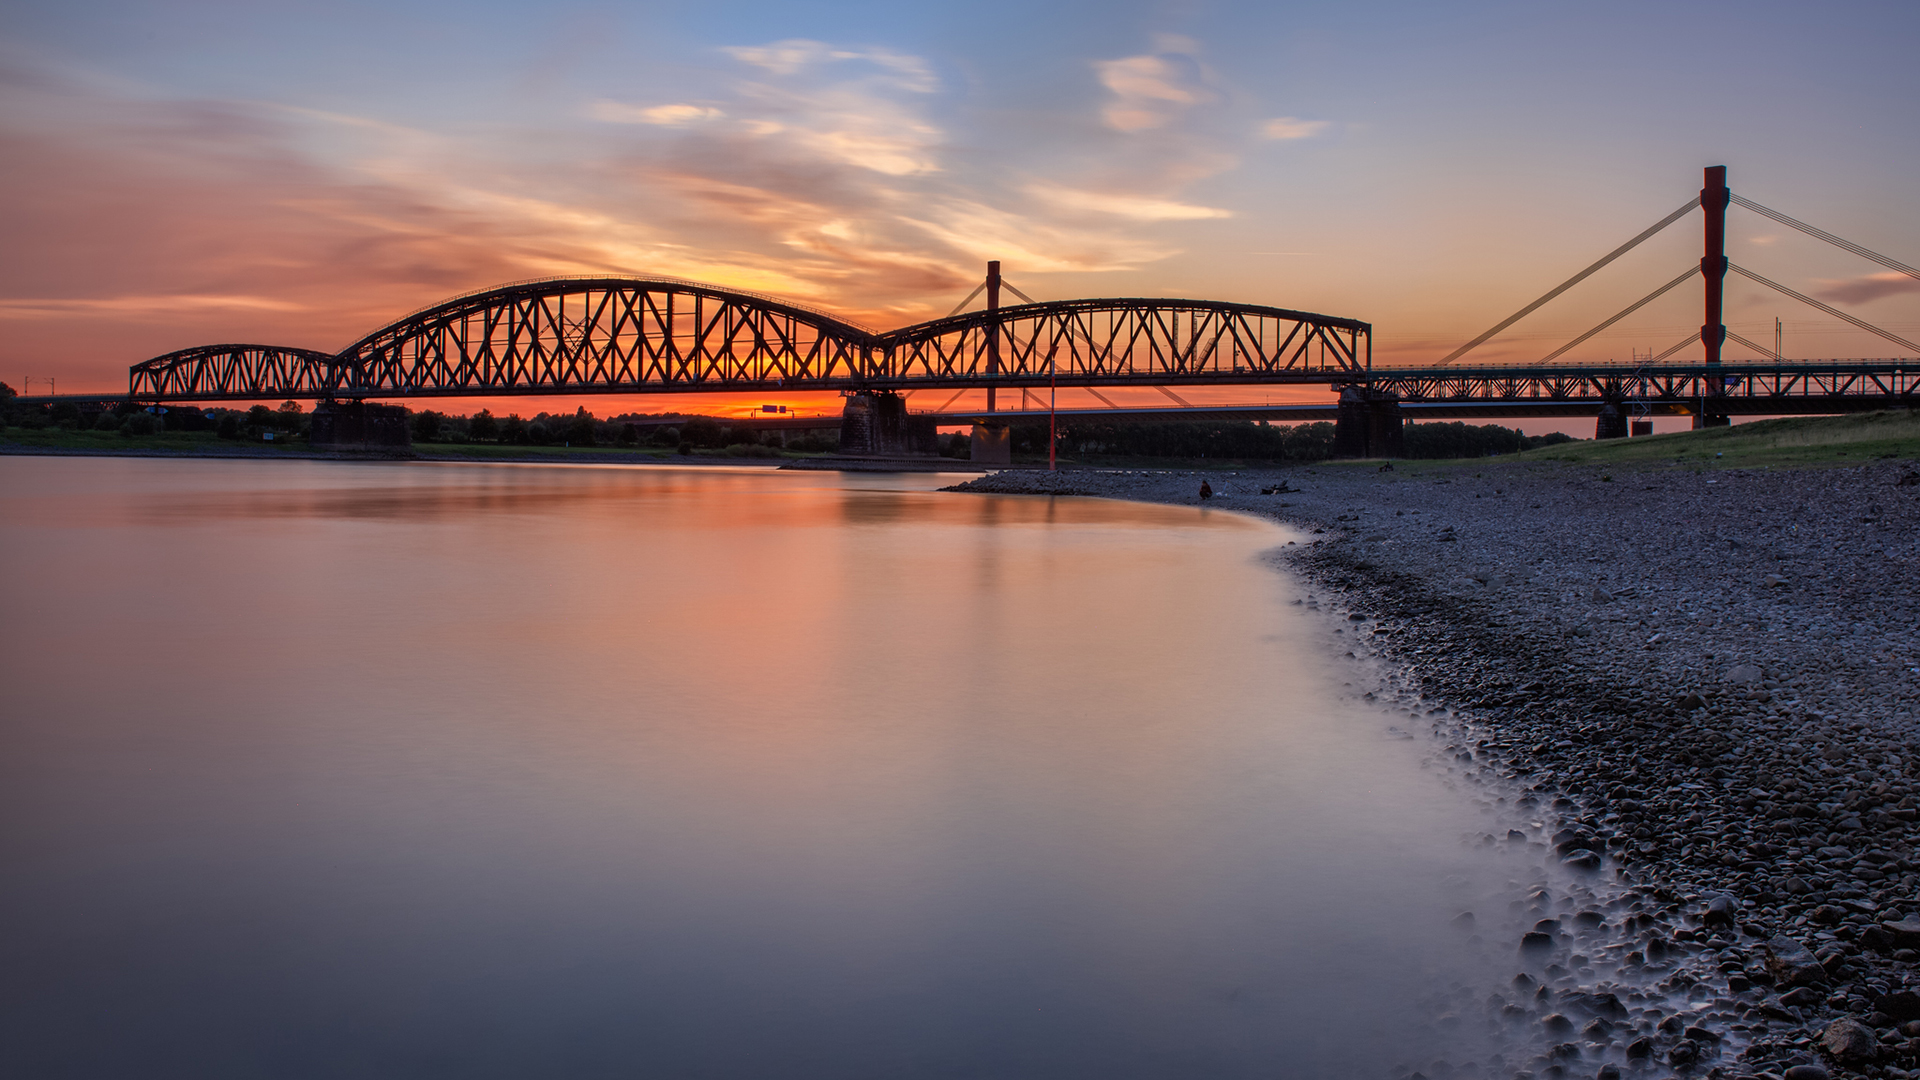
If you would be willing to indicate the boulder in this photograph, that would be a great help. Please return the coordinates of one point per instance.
(1792, 964)
(1901, 1006)
(1850, 1040)
(1722, 910)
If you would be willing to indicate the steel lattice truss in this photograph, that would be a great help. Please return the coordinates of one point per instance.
(1784, 386)
(628, 335)
(231, 371)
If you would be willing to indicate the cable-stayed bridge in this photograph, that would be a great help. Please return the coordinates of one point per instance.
(630, 335)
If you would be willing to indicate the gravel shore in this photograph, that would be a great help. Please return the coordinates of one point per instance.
(1703, 687)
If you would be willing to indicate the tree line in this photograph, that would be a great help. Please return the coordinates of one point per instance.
(1260, 441)
(1078, 437)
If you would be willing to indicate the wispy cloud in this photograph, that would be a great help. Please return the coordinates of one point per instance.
(616, 112)
(798, 56)
(1292, 127)
(989, 233)
(1868, 287)
(1131, 207)
(1154, 89)
(139, 306)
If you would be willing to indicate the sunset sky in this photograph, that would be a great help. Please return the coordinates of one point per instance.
(183, 173)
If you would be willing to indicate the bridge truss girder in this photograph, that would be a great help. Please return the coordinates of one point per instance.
(620, 335)
(1788, 386)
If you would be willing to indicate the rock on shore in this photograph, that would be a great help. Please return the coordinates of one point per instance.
(1711, 677)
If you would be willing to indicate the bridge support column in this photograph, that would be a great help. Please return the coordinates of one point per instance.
(992, 443)
(1714, 198)
(1369, 424)
(877, 422)
(1612, 423)
(358, 425)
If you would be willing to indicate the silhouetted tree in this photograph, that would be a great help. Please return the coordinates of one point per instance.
(703, 432)
(426, 426)
(482, 426)
(580, 428)
(1458, 440)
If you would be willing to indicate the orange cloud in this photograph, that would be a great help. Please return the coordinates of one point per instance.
(1868, 287)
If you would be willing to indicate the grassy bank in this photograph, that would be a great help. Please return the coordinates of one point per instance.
(113, 442)
(1785, 443)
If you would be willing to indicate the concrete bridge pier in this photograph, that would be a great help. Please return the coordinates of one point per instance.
(358, 425)
(1612, 423)
(992, 443)
(1369, 424)
(877, 422)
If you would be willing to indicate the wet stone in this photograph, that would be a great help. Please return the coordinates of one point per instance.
(1848, 1039)
(1792, 964)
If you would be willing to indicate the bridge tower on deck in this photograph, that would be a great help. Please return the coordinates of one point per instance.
(1714, 198)
(992, 442)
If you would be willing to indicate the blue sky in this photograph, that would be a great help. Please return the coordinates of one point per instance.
(182, 173)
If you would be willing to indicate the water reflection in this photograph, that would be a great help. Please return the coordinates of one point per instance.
(318, 769)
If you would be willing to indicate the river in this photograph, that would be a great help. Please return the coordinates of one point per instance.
(320, 769)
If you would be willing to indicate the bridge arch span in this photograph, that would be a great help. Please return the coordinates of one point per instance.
(652, 335)
(234, 372)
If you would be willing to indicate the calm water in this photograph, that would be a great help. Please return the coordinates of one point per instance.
(328, 770)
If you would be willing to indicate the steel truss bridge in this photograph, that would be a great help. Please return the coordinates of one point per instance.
(631, 335)
(1770, 388)
(646, 336)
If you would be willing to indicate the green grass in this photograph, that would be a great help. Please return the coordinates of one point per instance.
(1793, 442)
(54, 438)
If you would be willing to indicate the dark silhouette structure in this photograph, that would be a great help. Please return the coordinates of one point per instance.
(636, 335)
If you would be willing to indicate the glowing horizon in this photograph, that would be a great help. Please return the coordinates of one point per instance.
(196, 175)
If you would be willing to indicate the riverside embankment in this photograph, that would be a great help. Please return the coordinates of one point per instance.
(1708, 679)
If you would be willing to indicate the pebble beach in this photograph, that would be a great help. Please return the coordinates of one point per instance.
(1696, 691)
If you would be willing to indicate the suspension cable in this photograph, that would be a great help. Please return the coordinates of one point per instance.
(1833, 311)
(1763, 352)
(1008, 285)
(1822, 234)
(1624, 312)
(1576, 279)
(1690, 339)
(968, 300)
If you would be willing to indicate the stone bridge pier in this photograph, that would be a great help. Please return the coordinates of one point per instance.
(1612, 422)
(877, 422)
(1369, 424)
